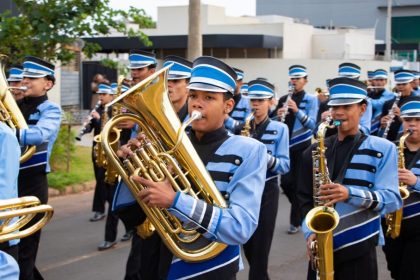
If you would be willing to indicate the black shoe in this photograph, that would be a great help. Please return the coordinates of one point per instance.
(127, 236)
(97, 217)
(105, 245)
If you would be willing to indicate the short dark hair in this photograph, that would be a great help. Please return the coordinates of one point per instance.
(50, 78)
(227, 95)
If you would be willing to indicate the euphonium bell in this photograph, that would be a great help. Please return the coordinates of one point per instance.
(15, 213)
(10, 112)
(168, 154)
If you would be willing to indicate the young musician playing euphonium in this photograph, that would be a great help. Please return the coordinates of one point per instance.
(235, 165)
(275, 136)
(402, 253)
(363, 171)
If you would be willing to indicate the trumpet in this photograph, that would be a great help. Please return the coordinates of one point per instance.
(15, 213)
(87, 122)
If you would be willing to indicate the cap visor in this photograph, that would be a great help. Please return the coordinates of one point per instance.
(138, 66)
(344, 101)
(33, 75)
(14, 80)
(411, 115)
(177, 77)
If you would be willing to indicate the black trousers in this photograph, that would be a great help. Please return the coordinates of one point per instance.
(364, 267)
(289, 186)
(111, 224)
(37, 185)
(143, 260)
(100, 195)
(257, 249)
(402, 256)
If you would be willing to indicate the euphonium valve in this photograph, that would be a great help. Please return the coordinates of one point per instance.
(166, 154)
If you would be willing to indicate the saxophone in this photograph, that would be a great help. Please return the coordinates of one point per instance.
(166, 154)
(391, 115)
(246, 130)
(322, 220)
(393, 220)
(285, 104)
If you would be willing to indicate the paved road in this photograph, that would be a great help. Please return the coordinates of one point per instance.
(68, 246)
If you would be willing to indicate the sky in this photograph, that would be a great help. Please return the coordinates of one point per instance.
(233, 7)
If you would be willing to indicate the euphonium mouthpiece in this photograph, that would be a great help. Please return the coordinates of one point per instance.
(196, 115)
(19, 88)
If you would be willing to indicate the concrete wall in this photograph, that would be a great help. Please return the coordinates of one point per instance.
(70, 88)
(54, 94)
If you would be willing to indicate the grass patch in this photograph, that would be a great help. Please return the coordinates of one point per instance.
(81, 169)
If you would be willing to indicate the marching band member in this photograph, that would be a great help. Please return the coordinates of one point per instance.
(9, 170)
(370, 75)
(363, 170)
(378, 96)
(300, 119)
(43, 118)
(401, 253)
(178, 78)
(242, 108)
(15, 80)
(416, 82)
(403, 79)
(351, 70)
(233, 161)
(275, 136)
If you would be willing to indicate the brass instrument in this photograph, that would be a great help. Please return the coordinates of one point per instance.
(10, 112)
(15, 213)
(246, 130)
(322, 220)
(391, 115)
(167, 145)
(393, 220)
(286, 103)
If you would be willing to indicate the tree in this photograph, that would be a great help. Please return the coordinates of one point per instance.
(49, 28)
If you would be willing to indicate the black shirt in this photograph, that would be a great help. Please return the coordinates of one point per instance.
(209, 143)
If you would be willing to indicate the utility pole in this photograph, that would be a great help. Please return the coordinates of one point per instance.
(388, 31)
(195, 41)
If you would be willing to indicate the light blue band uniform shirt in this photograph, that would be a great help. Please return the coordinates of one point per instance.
(239, 113)
(378, 99)
(9, 166)
(234, 163)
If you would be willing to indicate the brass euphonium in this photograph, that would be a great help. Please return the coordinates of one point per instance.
(246, 130)
(167, 154)
(393, 220)
(15, 213)
(10, 112)
(322, 220)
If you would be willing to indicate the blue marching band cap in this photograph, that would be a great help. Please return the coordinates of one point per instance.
(180, 69)
(411, 107)
(15, 74)
(370, 75)
(124, 87)
(345, 91)
(212, 74)
(259, 89)
(239, 74)
(416, 74)
(297, 71)
(403, 76)
(244, 89)
(349, 70)
(141, 59)
(34, 67)
(105, 89)
(380, 74)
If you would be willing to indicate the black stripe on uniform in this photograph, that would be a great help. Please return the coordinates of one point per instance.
(207, 216)
(226, 158)
(362, 166)
(221, 176)
(357, 182)
(369, 152)
(375, 201)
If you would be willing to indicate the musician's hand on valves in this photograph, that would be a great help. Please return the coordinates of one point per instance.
(309, 241)
(407, 177)
(134, 143)
(333, 193)
(292, 105)
(384, 121)
(157, 194)
(397, 112)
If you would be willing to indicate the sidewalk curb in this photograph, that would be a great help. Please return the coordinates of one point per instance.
(72, 189)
